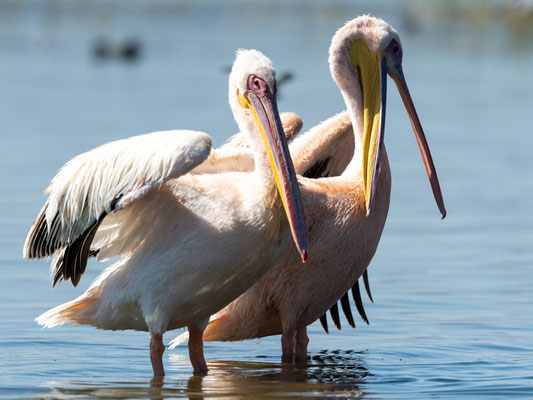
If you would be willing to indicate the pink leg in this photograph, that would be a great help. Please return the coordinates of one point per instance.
(196, 349)
(287, 345)
(301, 344)
(157, 348)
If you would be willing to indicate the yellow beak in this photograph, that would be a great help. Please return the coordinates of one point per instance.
(372, 69)
(266, 115)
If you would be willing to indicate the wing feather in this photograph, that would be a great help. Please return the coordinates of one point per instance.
(334, 311)
(102, 180)
(235, 155)
(331, 140)
(345, 303)
(356, 293)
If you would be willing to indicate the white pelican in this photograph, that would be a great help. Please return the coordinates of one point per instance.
(189, 244)
(345, 214)
(235, 155)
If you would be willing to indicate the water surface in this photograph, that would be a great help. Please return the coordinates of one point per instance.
(452, 316)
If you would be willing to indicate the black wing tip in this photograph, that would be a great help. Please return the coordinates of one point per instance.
(367, 285)
(72, 262)
(334, 311)
(324, 323)
(345, 304)
(318, 169)
(43, 239)
(356, 293)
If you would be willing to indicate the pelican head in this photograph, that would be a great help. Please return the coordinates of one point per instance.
(361, 55)
(252, 97)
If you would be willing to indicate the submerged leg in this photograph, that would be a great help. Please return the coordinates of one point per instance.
(301, 344)
(157, 348)
(288, 339)
(196, 349)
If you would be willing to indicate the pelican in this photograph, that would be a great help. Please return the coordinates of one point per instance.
(188, 243)
(235, 155)
(345, 214)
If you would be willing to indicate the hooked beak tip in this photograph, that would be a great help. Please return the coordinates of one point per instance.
(304, 256)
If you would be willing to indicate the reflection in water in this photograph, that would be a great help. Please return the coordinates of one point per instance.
(332, 373)
(329, 373)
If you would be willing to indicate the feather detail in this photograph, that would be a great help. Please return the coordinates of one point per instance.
(106, 179)
(334, 311)
(345, 303)
(235, 155)
(331, 139)
(356, 293)
(367, 285)
(184, 337)
(324, 322)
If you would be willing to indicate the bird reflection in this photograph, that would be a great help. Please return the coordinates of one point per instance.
(194, 387)
(327, 372)
(156, 384)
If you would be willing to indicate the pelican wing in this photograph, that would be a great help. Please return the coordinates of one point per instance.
(235, 155)
(324, 150)
(103, 180)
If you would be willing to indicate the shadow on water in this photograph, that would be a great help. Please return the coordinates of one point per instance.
(327, 374)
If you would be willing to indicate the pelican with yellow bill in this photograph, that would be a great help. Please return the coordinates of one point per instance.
(187, 243)
(372, 68)
(345, 189)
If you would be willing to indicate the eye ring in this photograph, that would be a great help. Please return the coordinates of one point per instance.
(258, 86)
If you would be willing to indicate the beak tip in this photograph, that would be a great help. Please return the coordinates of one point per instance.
(304, 256)
(443, 212)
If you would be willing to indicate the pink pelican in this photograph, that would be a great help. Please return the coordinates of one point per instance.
(188, 243)
(345, 214)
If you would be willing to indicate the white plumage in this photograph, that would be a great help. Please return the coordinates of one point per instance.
(112, 176)
(337, 157)
(189, 243)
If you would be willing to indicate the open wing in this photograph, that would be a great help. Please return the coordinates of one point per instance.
(235, 155)
(102, 180)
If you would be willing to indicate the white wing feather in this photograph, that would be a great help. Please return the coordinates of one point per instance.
(235, 155)
(109, 178)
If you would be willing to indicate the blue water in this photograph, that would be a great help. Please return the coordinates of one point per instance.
(453, 311)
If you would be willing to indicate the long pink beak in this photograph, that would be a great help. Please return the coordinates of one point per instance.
(398, 77)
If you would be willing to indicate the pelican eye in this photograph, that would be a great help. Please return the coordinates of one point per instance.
(258, 86)
(394, 51)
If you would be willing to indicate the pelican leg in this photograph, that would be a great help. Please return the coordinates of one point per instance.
(196, 349)
(301, 344)
(288, 344)
(157, 348)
